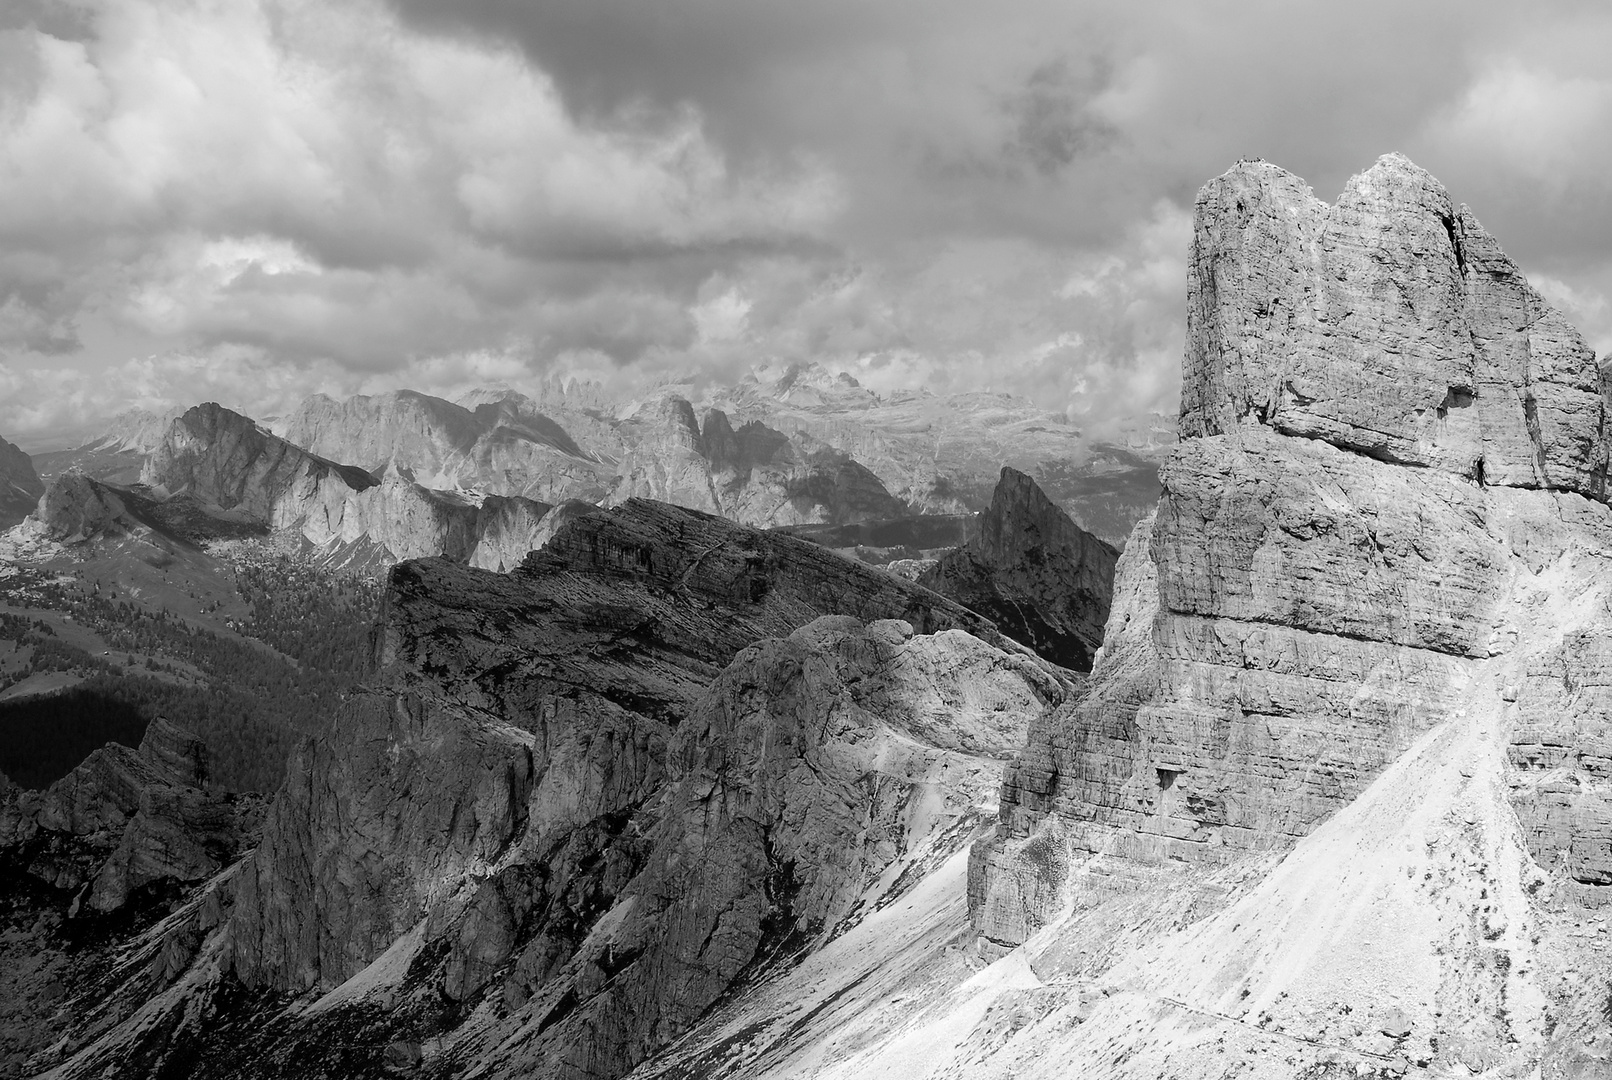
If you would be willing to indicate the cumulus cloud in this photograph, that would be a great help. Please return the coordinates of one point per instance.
(254, 199)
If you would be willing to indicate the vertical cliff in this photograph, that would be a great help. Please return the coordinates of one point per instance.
(1390, 444)
(20, 486)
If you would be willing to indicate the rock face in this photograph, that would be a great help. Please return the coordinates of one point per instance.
(505, 446)
(224, 458)
(1042, 579)
(1390, 324)
(755, 474)
(813, 771)
(594, 793)
(125, 820)
(1343, 549)
(75, 507)
(535, 706)
(20, 486)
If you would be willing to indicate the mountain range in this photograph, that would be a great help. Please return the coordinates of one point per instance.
(680, 796)
(796, 446)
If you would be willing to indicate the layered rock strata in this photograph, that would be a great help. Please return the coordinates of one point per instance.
(1394, 452)
(1389, 323)
(1042, 579)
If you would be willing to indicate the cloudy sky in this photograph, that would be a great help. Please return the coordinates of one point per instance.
(249, 200)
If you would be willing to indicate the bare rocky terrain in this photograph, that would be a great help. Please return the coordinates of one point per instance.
(678, 797)
(20, 485)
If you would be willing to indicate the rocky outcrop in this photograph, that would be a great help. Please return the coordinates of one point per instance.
(20, 486)
(126, 820)
(1042, 579)
(533, 710)
(1329, 569)
(1389, 323)
(224, 458)
(754, 474)
(813, 772)
(75, 508)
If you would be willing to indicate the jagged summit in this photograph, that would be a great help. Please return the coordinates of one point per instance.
(1389, 323)
(1370, 542)
(1040, 577)
(20, 485)
(225, 458)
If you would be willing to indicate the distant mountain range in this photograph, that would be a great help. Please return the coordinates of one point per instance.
(795, 446)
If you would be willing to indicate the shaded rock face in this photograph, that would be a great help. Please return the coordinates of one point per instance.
(20, 486)
(125, 820)
(1042, 579)
(529, 725)
(1328, 572)
(75, 507)
(755, 474)
(224, 458)
(814, 770)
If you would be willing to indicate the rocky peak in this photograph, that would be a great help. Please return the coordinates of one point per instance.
(178, 756)
(1042, 579)
(717, 441)
(1386, 434)
(76, 507)
(20, 486)
(224, 458)
(1390, 324)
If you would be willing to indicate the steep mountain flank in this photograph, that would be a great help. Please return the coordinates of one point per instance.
(565, 820)
(813, 779)
(1041, 578)
(224, 458)
(125, 820)
(20, 486)
(1375, 536)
